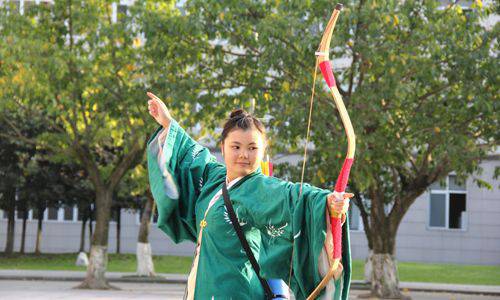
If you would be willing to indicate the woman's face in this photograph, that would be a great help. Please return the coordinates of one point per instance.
(243, 151)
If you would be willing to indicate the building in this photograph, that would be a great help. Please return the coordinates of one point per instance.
(447, 224)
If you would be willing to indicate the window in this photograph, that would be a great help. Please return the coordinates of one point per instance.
(447, 204)
(119, 11)
(68, 213)
(52, 213)
(24, 6)
(29, 7)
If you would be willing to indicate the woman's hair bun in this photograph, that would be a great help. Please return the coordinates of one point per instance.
(239, 118)
(238, 113)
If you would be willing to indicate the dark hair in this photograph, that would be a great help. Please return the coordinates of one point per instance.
(239, 118)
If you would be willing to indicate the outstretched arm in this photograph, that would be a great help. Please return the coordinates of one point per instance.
(177, 166)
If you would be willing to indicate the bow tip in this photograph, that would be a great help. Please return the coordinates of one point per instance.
(339, 6)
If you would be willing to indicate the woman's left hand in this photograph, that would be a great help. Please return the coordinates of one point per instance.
(337, 203)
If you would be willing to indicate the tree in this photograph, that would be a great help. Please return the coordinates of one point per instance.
(78, 191)
(43, 187)
(135, 192)
(421, 106)
(9, 172)
(86, 84)
(84, 73)
(122, 200)
(425, 110)
(144, 254)
(15, 165)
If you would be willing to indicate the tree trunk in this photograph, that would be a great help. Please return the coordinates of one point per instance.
(118, 228)
(364, 211)
(23, 235)
(384, 275)
(96, 270)
(91, 213)
(369, 266)
(146, 219)
(385, 283)
(39, 230)
(82, 233)
(11, 211)
(145, 266)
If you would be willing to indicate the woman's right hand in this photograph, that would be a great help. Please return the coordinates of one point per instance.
(158, 110)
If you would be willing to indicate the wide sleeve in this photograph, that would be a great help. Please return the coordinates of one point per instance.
(306, 219)
(178, 167)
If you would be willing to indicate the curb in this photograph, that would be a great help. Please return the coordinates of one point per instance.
(127, 279)
(182, 279)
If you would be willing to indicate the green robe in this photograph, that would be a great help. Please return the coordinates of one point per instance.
(273, 214)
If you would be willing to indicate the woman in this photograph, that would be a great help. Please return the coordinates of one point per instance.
(285, 224)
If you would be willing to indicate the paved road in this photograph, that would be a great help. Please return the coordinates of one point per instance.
(54, 290)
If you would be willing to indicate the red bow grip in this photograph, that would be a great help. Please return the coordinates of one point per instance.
(336, 221)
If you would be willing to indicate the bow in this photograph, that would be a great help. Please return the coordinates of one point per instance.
(322, 60)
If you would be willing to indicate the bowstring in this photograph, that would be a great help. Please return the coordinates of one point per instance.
(308, 127)
(304, 158)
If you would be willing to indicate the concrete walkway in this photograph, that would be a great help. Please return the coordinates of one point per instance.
(63, 290)
(181, 279)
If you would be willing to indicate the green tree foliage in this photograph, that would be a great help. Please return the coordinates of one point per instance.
(420, 82)
(43, 187)
(408, 94)
(86, 74)
(10, 172)
(419, 79)
(17, 166)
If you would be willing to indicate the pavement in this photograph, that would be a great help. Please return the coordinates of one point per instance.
(11, 278)
(63, 290)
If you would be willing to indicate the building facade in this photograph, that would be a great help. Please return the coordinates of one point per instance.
(454, 223)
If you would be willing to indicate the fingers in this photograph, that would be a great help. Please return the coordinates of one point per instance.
(153, 103)
(158, 110)
(152, 96)
(153, 99)
(157, 102)
(348, 195)
(152, 108)
(337, 204)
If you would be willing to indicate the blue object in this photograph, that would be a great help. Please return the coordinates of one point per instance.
(279, 288)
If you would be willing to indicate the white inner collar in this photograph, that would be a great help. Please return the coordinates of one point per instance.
(232, 182)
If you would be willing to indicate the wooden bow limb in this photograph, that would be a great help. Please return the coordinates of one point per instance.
(324, 64)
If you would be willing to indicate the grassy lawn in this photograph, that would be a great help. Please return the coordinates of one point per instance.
(447, 273)
(419, 272)
(440, 273)
(116, 263)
